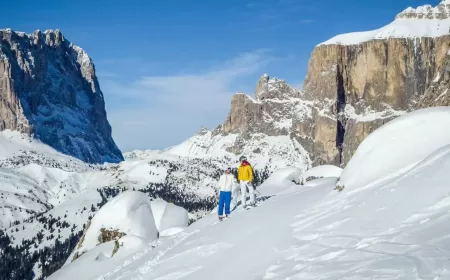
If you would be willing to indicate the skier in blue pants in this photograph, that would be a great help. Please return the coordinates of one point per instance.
(225, 186)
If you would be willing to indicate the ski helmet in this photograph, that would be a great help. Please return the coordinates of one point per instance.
(242, 158)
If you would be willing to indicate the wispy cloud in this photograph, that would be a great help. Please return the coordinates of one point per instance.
(159, 111)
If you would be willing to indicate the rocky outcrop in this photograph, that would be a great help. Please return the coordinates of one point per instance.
(271, 113)
(48, 88)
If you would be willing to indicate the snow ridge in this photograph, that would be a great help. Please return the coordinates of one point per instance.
(424, 21)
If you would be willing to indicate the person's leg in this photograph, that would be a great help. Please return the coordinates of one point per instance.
(227, 202)
(251, 192)
(221, 204)
(234, 195)
(243, 193)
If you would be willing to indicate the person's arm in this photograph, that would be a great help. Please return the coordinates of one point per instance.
(219, 183)
(250, 173)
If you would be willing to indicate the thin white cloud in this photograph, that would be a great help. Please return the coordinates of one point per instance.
(160, 111)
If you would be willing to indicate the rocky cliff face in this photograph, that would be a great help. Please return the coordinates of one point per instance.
(48, 88)
(372, 77)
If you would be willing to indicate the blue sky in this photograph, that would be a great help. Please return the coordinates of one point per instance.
(168, 67)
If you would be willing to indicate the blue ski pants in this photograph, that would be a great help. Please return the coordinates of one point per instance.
(224, 200)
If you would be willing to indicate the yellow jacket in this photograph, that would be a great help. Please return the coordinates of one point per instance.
(245, 173)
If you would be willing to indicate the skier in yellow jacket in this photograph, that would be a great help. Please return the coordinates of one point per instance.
(245, 177)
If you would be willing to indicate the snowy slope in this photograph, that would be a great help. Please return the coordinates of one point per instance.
(424, 21)
(393, 231)
(46, 196)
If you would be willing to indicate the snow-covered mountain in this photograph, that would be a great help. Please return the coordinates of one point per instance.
(356, 82)
(389, 221)
(48, 89)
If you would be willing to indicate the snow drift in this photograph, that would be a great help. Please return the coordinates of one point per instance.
(281, 180)
(396, 147)
(169, 216)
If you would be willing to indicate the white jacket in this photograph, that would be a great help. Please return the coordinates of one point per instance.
(226, 182)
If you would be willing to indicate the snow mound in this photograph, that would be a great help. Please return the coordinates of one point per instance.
(129, 213)
(396, 147)
(323, 171)
(280, 180)
(168, 216)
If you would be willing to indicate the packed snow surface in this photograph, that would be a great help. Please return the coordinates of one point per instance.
(394, 230)
(397, 146)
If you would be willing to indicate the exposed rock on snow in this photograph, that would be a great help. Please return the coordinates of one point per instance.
(322, 171)
(48, 88)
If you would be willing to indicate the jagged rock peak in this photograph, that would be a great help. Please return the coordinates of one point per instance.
(261, 90)
(203, 130)
(48, 88)
(273, 88)
(441, 11)
(49, 37)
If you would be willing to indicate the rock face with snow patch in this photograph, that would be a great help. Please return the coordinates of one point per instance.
(438, 94)
(382, 72)
(48, 88)
(260, 128)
